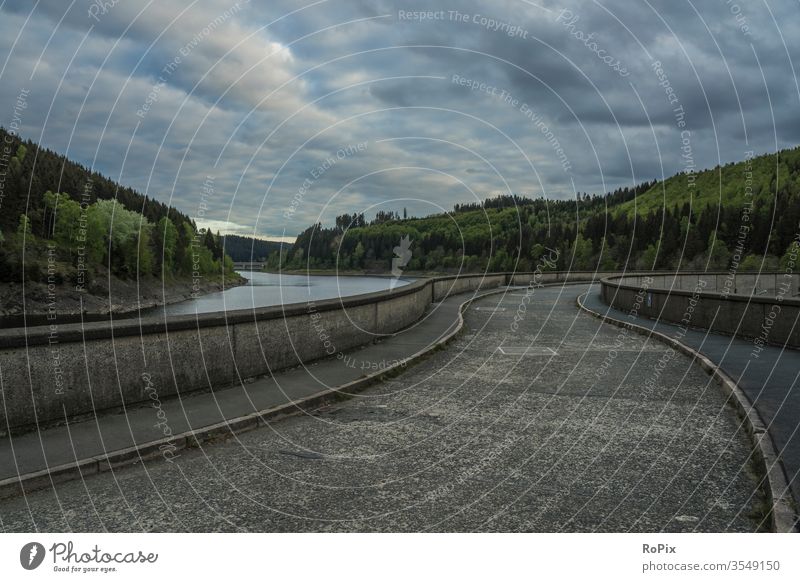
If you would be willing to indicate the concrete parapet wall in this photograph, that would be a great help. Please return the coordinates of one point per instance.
(708, 301)
(747, 284)
(72, 370)
(54, 374)
(547, 277)
(443, 287)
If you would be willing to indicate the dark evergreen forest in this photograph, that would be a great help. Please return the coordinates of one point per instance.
(742, 215)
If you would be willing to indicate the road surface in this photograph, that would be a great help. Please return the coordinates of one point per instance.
(560, 425)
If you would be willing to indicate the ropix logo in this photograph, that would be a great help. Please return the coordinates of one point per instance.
(31, 555)
(403, 256)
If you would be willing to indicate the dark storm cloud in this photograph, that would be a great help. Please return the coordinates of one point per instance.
(507, 95)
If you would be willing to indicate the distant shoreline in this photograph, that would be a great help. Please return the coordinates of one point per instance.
(350, 273)
(126, 298)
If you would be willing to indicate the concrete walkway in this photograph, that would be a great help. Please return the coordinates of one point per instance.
(142, 426)
(512, 427)
(770, 380)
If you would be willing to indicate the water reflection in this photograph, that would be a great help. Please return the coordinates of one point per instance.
(266, 289)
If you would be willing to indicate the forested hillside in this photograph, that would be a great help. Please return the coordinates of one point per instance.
(60, 222)
(248, 249)
(742, 215)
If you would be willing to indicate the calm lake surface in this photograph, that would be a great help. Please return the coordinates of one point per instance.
(265, 289)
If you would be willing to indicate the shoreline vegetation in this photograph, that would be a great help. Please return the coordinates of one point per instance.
(73, 241)
(121, 297)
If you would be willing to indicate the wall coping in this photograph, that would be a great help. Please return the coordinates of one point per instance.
(75, 332)
(21, 337)
(613, 281)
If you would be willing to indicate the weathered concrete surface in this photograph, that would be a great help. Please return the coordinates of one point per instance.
(113, 436)
(768, 376)
(737, 283)
(716, 301)
(74, 370)
(474, 438)
(444, 286)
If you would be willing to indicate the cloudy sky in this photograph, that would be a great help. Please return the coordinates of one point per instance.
(292, 112)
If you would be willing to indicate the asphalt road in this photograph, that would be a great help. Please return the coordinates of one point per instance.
(561, 425)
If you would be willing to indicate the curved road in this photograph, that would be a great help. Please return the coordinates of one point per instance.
(561, 425)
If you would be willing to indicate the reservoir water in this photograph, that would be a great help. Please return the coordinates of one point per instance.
(266, 289)
(261, 290)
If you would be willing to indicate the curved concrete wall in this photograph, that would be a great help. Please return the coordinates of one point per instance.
(719, 302)
(548, 277)
(51, 374)
(443, 287)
